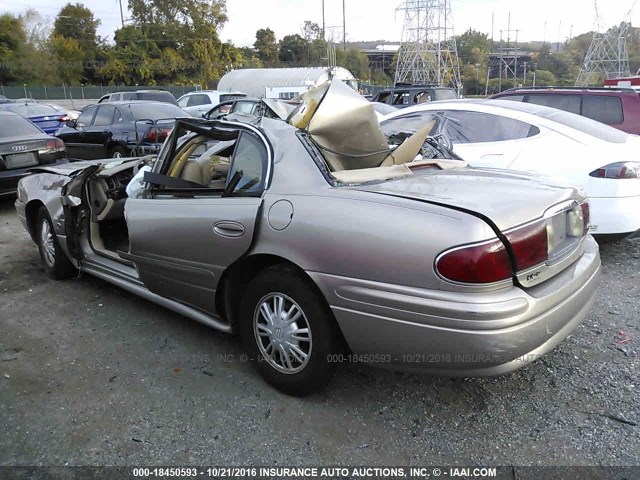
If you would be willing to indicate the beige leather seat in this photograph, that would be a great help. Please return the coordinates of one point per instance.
(205, 169)
(196, 172)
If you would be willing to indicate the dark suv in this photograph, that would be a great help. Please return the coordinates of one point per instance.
(617, 107)
(402, 96)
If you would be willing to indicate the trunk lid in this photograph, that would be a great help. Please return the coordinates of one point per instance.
(507, 198)
(28, 151)
(542, 225)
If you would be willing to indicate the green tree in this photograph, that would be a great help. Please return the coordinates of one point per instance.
(311, 31)
(317, 52)
(294, 51)
(37, 67)
(266, 47)
(473, 47)
(76, 22)
(357, 63)
(67, 53)
(169, 42)
(12, 48)
(233, 57)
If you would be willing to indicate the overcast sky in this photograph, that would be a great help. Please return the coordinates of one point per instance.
(382, 22)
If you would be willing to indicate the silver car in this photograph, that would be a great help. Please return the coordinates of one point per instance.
(320, 241)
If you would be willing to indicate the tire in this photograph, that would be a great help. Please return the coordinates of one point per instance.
(55, 261)
(291, 373)
(118, 152)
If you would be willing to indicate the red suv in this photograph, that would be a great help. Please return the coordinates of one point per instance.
(617, 106)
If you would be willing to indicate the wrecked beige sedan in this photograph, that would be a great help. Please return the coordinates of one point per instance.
(318, 240)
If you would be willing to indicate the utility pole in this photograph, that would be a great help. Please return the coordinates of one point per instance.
(324, 37)
(344, 27)
(524, 79)
(121, 14)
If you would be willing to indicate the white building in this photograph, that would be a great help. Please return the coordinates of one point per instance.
(283, 83)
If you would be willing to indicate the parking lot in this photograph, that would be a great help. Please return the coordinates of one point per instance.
(90, 374)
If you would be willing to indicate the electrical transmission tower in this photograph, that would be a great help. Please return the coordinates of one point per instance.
(428, 54)
(607, 56)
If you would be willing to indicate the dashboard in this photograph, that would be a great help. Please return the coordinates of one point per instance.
(114, 185)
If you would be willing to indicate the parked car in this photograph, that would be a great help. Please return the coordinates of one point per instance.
(145, 95)
(526, 137)
(383, 109)
(200, 102)
(403, 96)
(119, 129)
(22, 146)
(70, 113)
(45, 117)
(316, 255)
(249, 106)
(615, 106)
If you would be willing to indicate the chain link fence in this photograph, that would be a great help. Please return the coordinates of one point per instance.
(84, 91)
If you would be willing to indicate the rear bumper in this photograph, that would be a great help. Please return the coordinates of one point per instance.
(461, 334)
(615, 216)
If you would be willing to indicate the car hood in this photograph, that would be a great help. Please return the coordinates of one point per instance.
(507, 198)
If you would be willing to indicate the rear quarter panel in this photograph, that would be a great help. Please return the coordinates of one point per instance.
(365, 235)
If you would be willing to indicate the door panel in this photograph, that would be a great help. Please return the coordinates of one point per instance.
(182, 246)
(97, 135)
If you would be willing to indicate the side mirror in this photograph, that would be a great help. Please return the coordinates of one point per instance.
(72, 123)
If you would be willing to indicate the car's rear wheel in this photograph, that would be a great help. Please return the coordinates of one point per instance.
(56, 264)
(117, 152)
(289, 331)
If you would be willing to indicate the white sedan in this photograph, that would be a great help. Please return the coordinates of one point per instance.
(604, 161)
(199, 102)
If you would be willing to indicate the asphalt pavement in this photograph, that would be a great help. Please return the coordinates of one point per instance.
(92, 375)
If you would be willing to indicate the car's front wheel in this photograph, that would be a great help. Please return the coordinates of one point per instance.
(56, 264)
(289, 331)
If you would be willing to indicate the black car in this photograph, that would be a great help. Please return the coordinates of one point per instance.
(119, 129)
(402, 96)
(147, 95)
(22, 146)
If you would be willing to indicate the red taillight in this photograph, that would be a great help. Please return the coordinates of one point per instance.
(55, 144)
(586, 216)
(484, 263)
(529, 245)
(158, 135)
(618, 170)
(63, 119)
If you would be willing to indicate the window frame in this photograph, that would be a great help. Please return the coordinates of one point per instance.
(155, 190)
(447, 113)
(90, 123)
(95, 116)
(619, 104)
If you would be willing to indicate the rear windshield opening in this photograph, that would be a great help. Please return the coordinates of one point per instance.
(17, 127)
